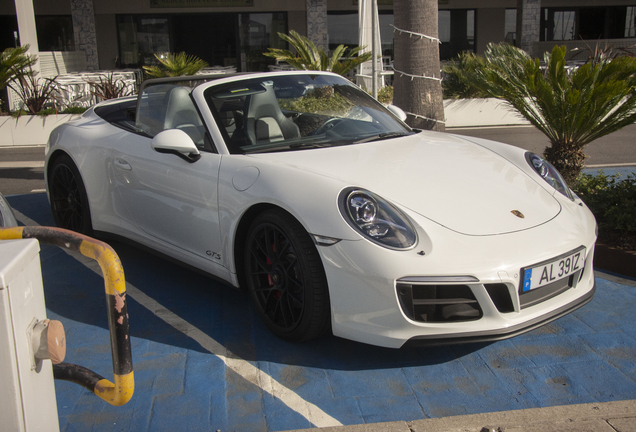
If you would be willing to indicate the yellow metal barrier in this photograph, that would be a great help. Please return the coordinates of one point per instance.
(121, 391)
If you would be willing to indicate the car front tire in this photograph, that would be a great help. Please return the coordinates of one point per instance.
(285, 277)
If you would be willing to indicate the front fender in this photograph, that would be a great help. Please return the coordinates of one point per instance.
(245, 182)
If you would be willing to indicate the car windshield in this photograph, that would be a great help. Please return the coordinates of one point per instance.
(296, 111)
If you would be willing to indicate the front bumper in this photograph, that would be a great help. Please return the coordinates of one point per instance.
(364, 281)
(500, 334)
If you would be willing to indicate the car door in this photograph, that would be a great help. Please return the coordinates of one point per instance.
(169, 199)
(173, 201)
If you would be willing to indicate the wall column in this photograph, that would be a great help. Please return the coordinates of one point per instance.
(26, 28)
(84, 31)
(317, 23)
(528, 24)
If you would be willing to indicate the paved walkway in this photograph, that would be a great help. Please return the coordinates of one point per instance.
(204, 361)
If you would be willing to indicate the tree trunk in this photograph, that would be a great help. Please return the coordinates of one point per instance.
(416, 57)
(568, 158)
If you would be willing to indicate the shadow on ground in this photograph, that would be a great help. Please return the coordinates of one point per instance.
(224, 313)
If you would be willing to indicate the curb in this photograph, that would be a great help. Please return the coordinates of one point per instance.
(619, 261)
(617, 416)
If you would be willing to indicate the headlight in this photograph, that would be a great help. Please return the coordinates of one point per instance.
(376, 219)
(549, 173)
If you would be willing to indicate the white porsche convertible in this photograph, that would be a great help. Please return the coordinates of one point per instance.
(331, 212)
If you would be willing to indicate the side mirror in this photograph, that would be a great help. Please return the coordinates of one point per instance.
(177, 142)
(397, 111)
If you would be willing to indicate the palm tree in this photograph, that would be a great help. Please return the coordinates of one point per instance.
(175, 65)
(15, 64)
(418, 57)
(572, 108)
(310, 57)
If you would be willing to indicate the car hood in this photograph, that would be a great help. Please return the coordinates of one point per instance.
(456, 183)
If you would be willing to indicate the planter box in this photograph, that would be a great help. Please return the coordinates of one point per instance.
(480, 112)
(611, 259)
(30, 130)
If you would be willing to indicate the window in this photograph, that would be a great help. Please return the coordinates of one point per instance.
(343, 30)
(510, 26)
(55, 33)
(257, 32)
(8, 32)
(167, 106)
(559, 25)
(141, 37)
(456, 31)
(630, 22)
(220, 39)
(590, 23)
(444, 26)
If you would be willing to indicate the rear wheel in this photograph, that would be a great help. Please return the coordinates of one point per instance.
(285, 277)
(69, 202)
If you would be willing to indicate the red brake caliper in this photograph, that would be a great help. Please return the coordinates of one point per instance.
(269, 278)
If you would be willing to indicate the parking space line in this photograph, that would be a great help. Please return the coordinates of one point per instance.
(22, 164)
(245, 369)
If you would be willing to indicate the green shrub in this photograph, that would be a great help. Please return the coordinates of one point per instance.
(74, 110)
(323, 100)
(385, 94)
(613, 202)
(46, 111)
(109, 87)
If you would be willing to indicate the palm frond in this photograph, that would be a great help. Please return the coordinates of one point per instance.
(572, 108)
(14, 64)
(175, 65)
(309, 57)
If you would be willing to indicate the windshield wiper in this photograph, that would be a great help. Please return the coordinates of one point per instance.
(310, 145)
(283, 147)
(381, 136)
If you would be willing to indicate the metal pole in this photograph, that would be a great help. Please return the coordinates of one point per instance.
(374, 60)
(119, 392)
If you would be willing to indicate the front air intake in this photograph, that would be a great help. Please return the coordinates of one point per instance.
(438, 303)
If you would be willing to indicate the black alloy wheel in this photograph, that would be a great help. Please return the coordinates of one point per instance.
(69, 202)
(285, 277)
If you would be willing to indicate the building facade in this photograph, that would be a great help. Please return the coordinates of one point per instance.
(128, 33)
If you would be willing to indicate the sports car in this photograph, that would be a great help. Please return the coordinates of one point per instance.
(328, 209)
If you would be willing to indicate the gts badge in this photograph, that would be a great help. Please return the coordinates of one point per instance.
(213, 255)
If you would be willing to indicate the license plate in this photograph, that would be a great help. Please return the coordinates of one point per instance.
(551, 271)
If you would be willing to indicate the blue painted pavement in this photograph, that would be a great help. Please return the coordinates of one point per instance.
(587, 356)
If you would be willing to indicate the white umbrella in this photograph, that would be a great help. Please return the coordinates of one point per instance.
(368, 30)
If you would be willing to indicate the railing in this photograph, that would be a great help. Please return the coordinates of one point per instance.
(582, 46)
(119, 392)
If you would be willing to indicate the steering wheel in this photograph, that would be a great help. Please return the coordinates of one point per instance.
(328, 125)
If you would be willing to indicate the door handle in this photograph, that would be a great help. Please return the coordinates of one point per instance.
(122, 164)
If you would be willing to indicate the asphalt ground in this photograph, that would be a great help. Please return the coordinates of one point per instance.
(614, 149)
(203, 361)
